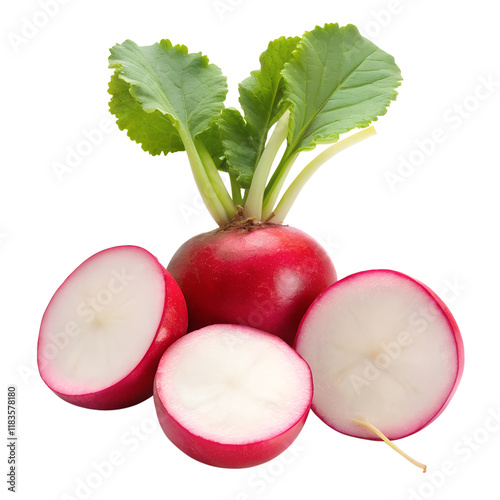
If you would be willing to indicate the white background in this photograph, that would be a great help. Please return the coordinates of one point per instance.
(439, 224)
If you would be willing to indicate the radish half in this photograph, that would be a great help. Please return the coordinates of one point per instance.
(232, 396)
(106, 327)
(385, 353)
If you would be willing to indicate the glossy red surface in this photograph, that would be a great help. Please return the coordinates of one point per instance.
(265, 278)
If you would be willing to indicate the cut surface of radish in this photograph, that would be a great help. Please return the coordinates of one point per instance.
(107, 326)
(232, 396)
(383, 349)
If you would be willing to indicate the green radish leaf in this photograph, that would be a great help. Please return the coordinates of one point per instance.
(261, 94)
(168, 85)
(154, 131)
(239, 140)
(336, 81)
(331, 80)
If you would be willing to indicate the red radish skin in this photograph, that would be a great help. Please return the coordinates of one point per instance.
(184, 422)
(304, 340)
(225, 455)
(263, 276)
(137, 385)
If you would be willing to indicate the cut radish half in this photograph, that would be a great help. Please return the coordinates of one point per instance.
(385, 353)
(106, 327)
(232, 396)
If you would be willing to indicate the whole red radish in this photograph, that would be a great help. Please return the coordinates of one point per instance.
(232, 396)
(264, 276)
(106, 327)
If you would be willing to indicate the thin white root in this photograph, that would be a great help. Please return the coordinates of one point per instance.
(390, 443)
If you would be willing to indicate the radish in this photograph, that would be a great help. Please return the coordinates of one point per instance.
(266, 276)
(232, 396)
(106, 327)
(308, 91)
(385, 353)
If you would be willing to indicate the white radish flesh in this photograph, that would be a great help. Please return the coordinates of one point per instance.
(232, 396)
(384, 350)
(104, 322)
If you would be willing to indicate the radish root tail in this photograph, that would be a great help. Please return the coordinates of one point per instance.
(390, 443)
